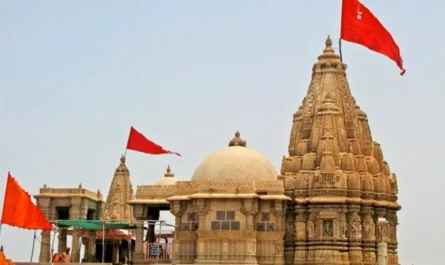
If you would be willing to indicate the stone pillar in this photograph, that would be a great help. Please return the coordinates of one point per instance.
(75, 250)
(382, 254)
(279, 210)
(75, 214)
(202, 209)
(91, 246)
(355, 236)
(62, 240)
(391, 216)
(300, 234)
(289, 237)
(177, 209)
(249, 209)
(369, 240)
(138, 254)
(45, 247)
(383, 239)
(115, 259)
(45, 244)
(85, 245)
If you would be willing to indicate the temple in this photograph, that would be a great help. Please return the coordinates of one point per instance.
(325, 206)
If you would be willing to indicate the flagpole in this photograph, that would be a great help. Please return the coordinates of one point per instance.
(339, 50)
(33, 245)
(3, 208)
(52, 244)
(126, 147)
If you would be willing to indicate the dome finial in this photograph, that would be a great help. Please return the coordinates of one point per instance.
(328, 42)
(237, 141)
(122, 159)
(168, 172)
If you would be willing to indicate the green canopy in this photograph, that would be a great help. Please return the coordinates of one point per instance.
(93, 224)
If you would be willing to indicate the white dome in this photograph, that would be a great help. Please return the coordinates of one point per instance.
(235, 162)
(168, 179)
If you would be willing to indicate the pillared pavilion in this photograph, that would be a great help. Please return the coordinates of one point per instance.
(323, 208)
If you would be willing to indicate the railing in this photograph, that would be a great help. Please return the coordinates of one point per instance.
(158, 251)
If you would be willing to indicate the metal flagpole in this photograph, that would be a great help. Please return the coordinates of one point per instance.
(103, 242)
(339, 50)
(33, 244)
(160, 249)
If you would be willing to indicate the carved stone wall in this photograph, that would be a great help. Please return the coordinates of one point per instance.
(244, 231)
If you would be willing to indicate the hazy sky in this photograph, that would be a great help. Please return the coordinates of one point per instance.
(75, 75)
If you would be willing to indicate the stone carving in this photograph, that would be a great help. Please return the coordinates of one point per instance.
(383, 233)
(368, 228)
(369, 257)
(138, 212)
(290, 228)
(328, 229)
(355, 230)
(310, 229)
(279, 249)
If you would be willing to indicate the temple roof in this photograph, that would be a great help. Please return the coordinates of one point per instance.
(330, 134)
(235, 162)
(121, 191)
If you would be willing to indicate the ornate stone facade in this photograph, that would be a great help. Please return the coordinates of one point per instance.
(337, 177)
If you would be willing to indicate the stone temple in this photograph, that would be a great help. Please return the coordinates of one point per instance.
(323, 208)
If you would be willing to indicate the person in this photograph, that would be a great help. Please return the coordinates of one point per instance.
(66, 256)
(57, 258)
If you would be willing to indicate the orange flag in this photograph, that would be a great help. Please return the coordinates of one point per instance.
(20, 211)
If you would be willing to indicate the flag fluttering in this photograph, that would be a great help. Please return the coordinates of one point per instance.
(20, 211)
(360, 26)
(138, 142)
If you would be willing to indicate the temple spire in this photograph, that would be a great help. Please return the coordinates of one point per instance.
(121, 191)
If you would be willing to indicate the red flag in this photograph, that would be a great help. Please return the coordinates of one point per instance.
(359, 25)
(20, 211)
(138, 142)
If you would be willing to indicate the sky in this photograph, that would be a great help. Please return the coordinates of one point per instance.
(75, 75)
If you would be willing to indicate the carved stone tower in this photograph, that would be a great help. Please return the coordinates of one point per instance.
(336, 175)
(121, 191)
